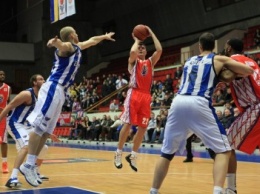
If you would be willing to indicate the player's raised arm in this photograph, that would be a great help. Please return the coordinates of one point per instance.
(95, 40)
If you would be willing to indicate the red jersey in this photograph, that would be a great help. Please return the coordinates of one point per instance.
(4, 96)
(246, 91)
(142, 75)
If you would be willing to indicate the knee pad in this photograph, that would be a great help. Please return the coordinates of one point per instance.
(43, 152)
(167, 156)
(38, 131)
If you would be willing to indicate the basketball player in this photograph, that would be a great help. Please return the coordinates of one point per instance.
(137, 103)
(52, 93)
(191, 110)
(18, 127)
(244, 133)
(5, 92)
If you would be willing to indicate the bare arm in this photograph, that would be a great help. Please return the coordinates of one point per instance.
(22, 97)
(237, 67)
(157, 54)
(95, 40)
(62, 46)
(133, 54)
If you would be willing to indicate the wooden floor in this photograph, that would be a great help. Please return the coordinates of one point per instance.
(102, 176)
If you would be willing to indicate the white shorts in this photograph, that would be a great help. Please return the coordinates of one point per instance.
(193, 114)
(47, 110)
(20, 133)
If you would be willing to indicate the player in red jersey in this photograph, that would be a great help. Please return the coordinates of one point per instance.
(244, 133)
(5, 92)
(137, 103)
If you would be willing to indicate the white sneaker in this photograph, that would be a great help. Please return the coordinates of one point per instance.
(229, 191)
(118, 160)
(131, 159)
(13, 183)
(29, 174)
(39, 180)
(153, 192)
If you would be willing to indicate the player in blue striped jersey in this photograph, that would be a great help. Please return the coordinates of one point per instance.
(191, 111)
(18, 127)
(52, 93)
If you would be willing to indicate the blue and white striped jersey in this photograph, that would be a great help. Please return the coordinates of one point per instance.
(199, 76)
(21, 112)
(65, 68)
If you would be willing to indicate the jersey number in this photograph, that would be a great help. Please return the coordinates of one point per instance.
(145, 121)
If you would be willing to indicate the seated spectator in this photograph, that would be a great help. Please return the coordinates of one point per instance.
(113, 106)
(218, 98)
(227, 119)
(95, 129)
(178, 73)
(168, 82)
(120, 82)
(105, 133)
(150, 128)
(114, 127)
(121, 97)
(74, 130)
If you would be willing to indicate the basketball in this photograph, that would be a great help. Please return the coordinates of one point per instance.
(226, 75)
(141, 32)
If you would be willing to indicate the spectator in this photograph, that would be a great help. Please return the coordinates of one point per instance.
(114, 126)
(150, 128)
(168, 83)
(218, 99)
(178, 73)
(120, 82)
(113, 106)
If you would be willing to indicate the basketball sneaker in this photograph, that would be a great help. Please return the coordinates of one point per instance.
(39, 180)
(13, 183)
(229, 191)
(118, 160)
(5, 167)
(131, 159)
(42, 177)
(29, 174)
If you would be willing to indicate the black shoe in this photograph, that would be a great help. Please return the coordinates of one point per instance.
(131, 159)
(188, 160)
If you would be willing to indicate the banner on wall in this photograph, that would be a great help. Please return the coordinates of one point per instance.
(64, 119)
(60, 9)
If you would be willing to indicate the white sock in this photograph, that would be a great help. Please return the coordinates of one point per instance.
(155, 191)
(231, 181)
(217, 190)
(14, 173)
(119, 151)
(134, 153)
(4, 159)
(31, 159)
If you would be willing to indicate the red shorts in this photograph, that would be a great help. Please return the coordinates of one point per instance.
(3, 131)
(137, 108)
(244, 133)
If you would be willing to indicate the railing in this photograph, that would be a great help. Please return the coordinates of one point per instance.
(106, 98)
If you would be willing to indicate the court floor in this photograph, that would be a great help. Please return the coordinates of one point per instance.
(84, 167)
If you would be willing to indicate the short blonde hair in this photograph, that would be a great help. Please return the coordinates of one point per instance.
(65, 33)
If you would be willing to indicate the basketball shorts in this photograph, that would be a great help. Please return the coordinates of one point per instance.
(137, 108)
(20, 133)
(47, 110)
(244, 133)
(193, 114)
